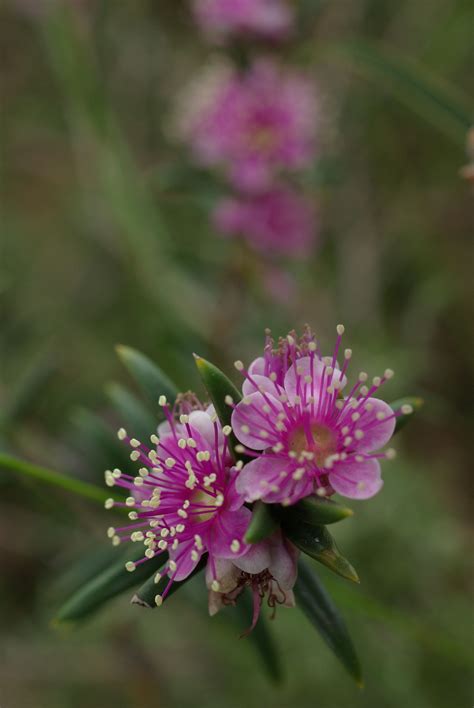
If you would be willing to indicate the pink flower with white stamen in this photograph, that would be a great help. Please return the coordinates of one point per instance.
(253, 125)
(184, 499)
(269, 19)
(309, 437)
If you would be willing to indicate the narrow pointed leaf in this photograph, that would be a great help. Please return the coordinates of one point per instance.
(145, 596)
(262, 524)
(410, 83)
(149, 377)
(53, 478)
(93, 560)
(317, 542)
(414, 403)
(316, 511)
(100, 443)
(260, 637)
(218, 387)
(108, 584)
(135, 416)
(317, 605)
(27, 389)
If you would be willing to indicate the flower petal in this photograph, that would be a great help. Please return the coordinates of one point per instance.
(201, 421)
(249, 419)
(257, 558)
(377, 432)
(257, 476)
(224, 571)
(259, 383)
(283, 561)
(295, 384)
(357, 480)
(228, 528)
(257, 366)
(184, 562)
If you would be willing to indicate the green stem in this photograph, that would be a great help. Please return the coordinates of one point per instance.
(76, 486)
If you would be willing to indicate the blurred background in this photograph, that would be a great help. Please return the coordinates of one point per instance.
(106, 239)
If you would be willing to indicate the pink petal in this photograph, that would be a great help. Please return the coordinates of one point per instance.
(182, 557)
(233, 498)
(164, 429)
(357, 480)
(251, 416)
(259, 383)
(283, 561)
(257, 476)
(295, 385)
(201, 421)
(376, 433)
(228, 527)
(224, 571)
(257, 558)
(257, 366)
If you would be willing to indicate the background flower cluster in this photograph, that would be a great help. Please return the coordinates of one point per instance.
(254, 120)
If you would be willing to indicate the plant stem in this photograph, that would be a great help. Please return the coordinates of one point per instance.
(70, 484)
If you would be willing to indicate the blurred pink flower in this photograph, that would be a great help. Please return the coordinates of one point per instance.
(279, 221)
(270, 19)
(254, 125)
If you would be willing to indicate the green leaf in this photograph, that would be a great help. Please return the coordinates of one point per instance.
(219, 387)
(262, 524)
(27, 389)
(135, 416)
(410, 83)
(317, 542)
(51, 477)
(108, 171)
(315, 602)
(412, 402)
(260, 636)
(316, 511)
(94, 437)
(149, 377)
(146, 595)
(108, 584)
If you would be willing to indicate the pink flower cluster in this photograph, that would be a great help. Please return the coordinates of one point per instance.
(307, 431)
(267, 19)
(255, 126)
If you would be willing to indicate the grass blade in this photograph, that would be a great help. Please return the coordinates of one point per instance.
(315, 602)
(53, 478)
(112, 581)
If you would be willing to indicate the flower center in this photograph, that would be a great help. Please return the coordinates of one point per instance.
(263, 138)
(205, 503)
(315, 438)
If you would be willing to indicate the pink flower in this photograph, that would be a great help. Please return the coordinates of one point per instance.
(269, 19)
(253, 125)
(278, 221)
(184, 499)
(309, 437)
(268, 568)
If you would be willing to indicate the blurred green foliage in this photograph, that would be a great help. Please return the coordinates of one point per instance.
(105, 240)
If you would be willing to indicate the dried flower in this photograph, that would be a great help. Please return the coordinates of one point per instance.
(268, 569)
